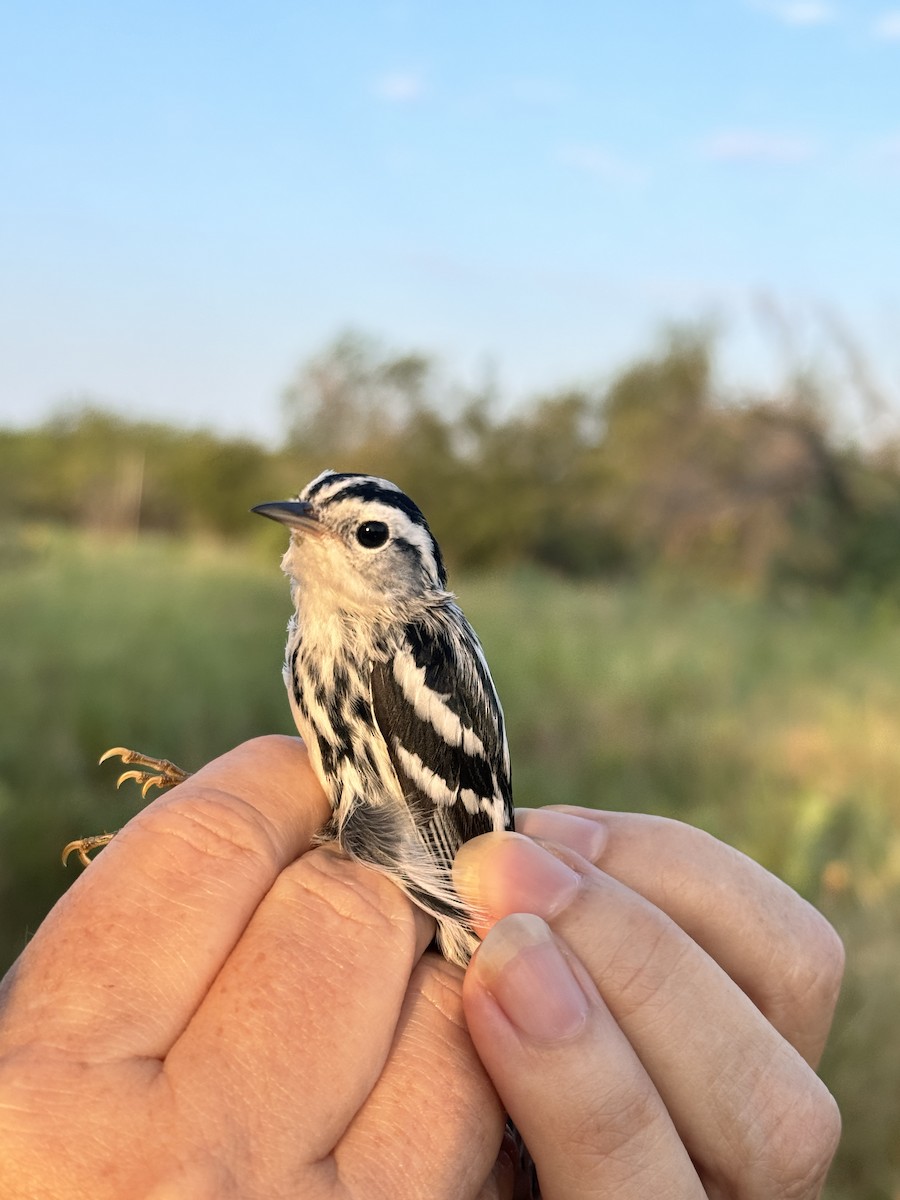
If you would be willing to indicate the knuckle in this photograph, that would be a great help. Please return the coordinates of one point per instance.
(801, 1137)
(267, 744)
(435, 1028)
(822, 966)
(812, 981)
(616, 1126)
(349, 891)
(649, 951)
(439, 984)
(214, 823)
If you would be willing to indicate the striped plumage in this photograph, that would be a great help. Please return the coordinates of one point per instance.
(390, 690)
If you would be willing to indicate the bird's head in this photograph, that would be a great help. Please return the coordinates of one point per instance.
(360, 542)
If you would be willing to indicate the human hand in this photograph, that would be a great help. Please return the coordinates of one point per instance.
(653, 1029)
(210, 1013)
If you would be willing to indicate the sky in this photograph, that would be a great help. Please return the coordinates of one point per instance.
(195, 198)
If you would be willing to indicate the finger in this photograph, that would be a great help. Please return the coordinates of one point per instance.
(434, 1102)
(740, 1095)
(125, 957)
(778, 949)
(575, 1088)
(315, 987)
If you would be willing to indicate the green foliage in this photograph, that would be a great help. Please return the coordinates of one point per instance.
(95, 637)
(771, 723)
(657, 471)
(760, 701)
(100, 471)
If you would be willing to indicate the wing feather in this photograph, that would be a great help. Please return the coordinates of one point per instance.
(435, 704)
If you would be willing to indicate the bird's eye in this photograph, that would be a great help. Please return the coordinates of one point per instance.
(372, 534)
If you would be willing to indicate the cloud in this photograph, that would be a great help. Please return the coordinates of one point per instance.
(887, 27)
(803, 13)
(755, 146)
(600, 163)
(806, 13)
(400, 87)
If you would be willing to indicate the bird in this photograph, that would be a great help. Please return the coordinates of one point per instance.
(390, 691)
(392, 695)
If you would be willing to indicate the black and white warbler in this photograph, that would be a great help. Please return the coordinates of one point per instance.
(390, 691)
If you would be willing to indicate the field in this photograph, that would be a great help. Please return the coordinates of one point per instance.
(773, 724)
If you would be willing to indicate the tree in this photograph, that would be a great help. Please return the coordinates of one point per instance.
(354, 395)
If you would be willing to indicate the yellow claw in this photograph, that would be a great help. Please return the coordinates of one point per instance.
(129, 775)
(146, 781)
(82, 846)
(120, 751)
(166, 775)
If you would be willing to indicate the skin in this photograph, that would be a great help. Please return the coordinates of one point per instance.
(656, 1032)
(216, 1010)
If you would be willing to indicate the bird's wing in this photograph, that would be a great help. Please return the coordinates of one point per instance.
(437, 709)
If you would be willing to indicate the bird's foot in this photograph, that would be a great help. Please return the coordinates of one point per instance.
(83, 847)
(156, 772)
(151, 773)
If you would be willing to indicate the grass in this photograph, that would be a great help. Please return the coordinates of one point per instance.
(772, 724)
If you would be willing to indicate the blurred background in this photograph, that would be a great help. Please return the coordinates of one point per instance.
(610, 290)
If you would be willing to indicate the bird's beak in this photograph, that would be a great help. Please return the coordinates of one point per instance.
(296, 514)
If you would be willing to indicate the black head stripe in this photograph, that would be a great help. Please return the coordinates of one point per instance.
(326, 480)
(369, 489)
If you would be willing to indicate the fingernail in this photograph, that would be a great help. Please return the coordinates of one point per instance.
(585, 836)
(521, 965)
(501, 873)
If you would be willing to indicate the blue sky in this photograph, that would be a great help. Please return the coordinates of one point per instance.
(196, 197)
